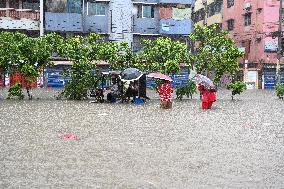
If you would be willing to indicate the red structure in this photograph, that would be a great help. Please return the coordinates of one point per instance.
(17, 77)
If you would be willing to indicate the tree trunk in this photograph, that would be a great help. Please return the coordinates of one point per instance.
(28, 92)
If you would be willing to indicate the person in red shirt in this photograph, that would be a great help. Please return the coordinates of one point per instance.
(165, 91)
(208, 97)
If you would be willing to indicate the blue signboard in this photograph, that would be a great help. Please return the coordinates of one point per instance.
(55, 78)
(179, 80)
(269, 78)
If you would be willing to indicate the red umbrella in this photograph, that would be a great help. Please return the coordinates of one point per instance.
(158, 75)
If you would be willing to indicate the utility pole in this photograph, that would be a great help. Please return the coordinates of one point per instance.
(279, 53)
(204, 2)
(41, 18)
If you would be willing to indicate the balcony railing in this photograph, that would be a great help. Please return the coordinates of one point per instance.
(20, 13)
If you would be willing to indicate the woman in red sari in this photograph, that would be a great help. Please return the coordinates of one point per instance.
(165, 91)
(208, 97)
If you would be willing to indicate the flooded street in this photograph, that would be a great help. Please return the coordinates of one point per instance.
(237, 144)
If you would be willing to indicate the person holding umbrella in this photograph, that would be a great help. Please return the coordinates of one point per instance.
(207, 90)
(165, 89)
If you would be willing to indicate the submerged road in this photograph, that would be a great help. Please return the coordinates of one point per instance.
(237, 144)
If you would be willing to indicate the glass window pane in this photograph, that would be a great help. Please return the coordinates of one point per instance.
(14, 4)
(56, 5)
(64, 6)
(31, 4)
(74, 6)
(147, 10)
(97, 9)
(2, 4)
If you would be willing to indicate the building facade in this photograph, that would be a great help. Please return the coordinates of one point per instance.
(117, 20)
(251, 24)
(20, 15)
(208, 12)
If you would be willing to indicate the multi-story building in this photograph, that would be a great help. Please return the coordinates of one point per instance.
(20, 15)
(251, 23)
(208, 12)
(120, 20)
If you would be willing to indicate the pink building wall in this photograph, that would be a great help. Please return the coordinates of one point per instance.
(254, 37)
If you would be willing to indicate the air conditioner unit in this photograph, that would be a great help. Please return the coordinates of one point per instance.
(247, 6)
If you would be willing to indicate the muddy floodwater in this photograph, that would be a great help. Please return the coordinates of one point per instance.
(48, 143)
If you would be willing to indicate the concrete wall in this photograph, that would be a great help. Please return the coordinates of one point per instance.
(172, 26)
(63, 22)
(217, 18)
(120, 21)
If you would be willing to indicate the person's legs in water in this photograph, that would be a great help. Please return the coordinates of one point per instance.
(163, 104)
(204, 105)
(109, 96)
(210, 104)
(169, 105)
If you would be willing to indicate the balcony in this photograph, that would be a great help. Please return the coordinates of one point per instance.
(71, 22)
(20, 13)
(23, 19)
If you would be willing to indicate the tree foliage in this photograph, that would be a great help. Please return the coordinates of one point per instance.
(16, 91)
(215, 51)
(280, 90)
(189, 89)
(163, 54)
(26, 55)
(83, 52)
(237, 87)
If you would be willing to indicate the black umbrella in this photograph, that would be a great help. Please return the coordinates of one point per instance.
(130, 74)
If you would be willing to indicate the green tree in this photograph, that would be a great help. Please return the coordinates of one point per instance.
(215, 51)
(280, 90)
(16, 91)
(237, 87)
(83, 52)
(187, 90)
(163, 55)
(26, 55)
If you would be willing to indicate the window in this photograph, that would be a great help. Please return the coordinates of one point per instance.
(214, 8)
(31, 4)
(282, 14)
(230, 24)
(247, 19)
(199, 15)
(230, 3)
(98, 9)
(14, 4)
(147, 11)
(2, 4)
(64, 6)
(219, 27)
